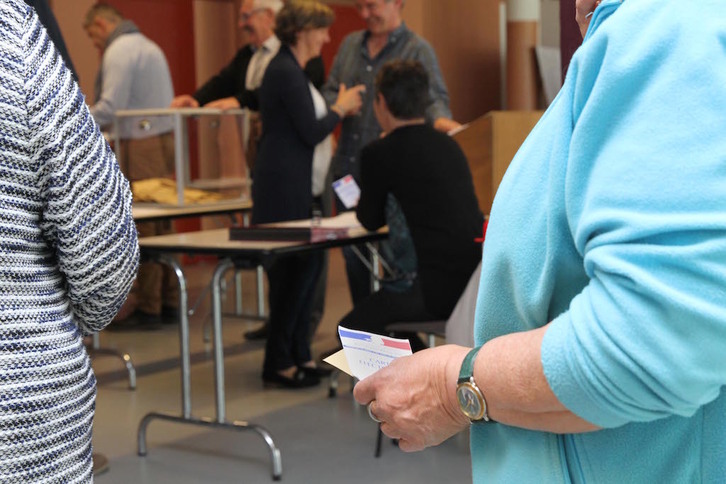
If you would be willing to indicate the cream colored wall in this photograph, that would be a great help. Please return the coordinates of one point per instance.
(215, 36)
(550, 23)
(85, 57)
(465, 36)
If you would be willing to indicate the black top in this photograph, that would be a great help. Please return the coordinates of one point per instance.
(231, 81)
(429, 175)
(283, 168)
(46, 17)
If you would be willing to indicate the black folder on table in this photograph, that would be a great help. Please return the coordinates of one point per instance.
(288, 234)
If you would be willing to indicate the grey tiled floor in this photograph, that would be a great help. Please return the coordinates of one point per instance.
(322, 440)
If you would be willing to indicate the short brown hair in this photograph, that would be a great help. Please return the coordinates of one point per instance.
(404, 84)
(299, 15)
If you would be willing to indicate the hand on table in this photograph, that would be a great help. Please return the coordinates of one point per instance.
(184, 101)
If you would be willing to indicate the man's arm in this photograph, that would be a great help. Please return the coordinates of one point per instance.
(229, 83)
(438, 113)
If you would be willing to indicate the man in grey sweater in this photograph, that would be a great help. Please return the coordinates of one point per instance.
(134, 74)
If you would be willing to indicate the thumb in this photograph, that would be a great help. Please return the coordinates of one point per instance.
(341, 87)
(364, 391)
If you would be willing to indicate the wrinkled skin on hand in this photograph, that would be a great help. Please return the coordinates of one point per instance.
(415, 397)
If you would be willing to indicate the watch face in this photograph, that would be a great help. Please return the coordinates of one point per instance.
(470, 401)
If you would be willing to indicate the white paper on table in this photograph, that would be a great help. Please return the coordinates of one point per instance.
(347, 190)
(366, 353)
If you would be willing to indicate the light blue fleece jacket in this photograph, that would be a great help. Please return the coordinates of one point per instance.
(611, 224)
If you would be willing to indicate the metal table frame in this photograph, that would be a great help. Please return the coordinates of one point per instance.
(147, 212)
(232, 253)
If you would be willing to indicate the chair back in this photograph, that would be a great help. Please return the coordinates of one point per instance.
(460, 325)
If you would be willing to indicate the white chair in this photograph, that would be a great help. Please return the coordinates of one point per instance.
(458, 329)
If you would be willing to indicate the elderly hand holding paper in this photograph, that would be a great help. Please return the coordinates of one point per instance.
(415, 397)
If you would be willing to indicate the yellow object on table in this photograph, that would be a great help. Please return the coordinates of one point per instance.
(163, 190)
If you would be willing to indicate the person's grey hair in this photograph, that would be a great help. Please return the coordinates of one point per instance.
(274, 5)
(102, 10)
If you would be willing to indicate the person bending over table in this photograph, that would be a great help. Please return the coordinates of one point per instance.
(289, 106)
(428, 174)
(600, 324)
(134, 74)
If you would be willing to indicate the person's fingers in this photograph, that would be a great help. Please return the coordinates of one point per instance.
(409, 446)
(363, 392)
(372, 413)
(389, 431)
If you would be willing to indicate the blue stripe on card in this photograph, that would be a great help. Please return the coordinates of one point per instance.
(353, 335)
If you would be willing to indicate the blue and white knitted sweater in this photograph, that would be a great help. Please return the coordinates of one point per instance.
(68, 256)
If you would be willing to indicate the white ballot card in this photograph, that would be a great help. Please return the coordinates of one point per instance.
(347, 190)
(366, 353)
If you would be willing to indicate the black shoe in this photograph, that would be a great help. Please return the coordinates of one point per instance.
(138, 321)
(317, 371)
(257, 334)
(169, 315)
(301, 379)
(100, 464)
(147, 319)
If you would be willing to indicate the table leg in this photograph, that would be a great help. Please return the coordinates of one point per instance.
(96, 349)
(222, 267)
(375, 281)
(219, 422)
(260, 293)
(238, 293)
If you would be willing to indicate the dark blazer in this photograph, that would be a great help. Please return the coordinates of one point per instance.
(283, 168)
(428, 174)
(230, 81)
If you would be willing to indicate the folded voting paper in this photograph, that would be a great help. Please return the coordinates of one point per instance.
(347, 190)
(365, 353)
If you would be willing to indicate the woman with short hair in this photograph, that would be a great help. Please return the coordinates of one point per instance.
(294, 119)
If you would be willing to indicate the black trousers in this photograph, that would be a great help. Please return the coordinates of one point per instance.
(386, 306)
(291, 285)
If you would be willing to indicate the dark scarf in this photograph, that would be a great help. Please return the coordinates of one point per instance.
(125, 27)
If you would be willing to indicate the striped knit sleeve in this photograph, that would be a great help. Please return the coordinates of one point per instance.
(87, 201)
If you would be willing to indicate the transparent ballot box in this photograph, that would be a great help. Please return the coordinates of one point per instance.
(183, 156)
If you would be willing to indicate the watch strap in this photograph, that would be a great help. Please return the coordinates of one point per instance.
(467, 366)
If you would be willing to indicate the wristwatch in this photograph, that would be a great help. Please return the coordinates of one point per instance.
(470, 397)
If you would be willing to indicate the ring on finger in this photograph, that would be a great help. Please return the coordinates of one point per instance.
(371, 414)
